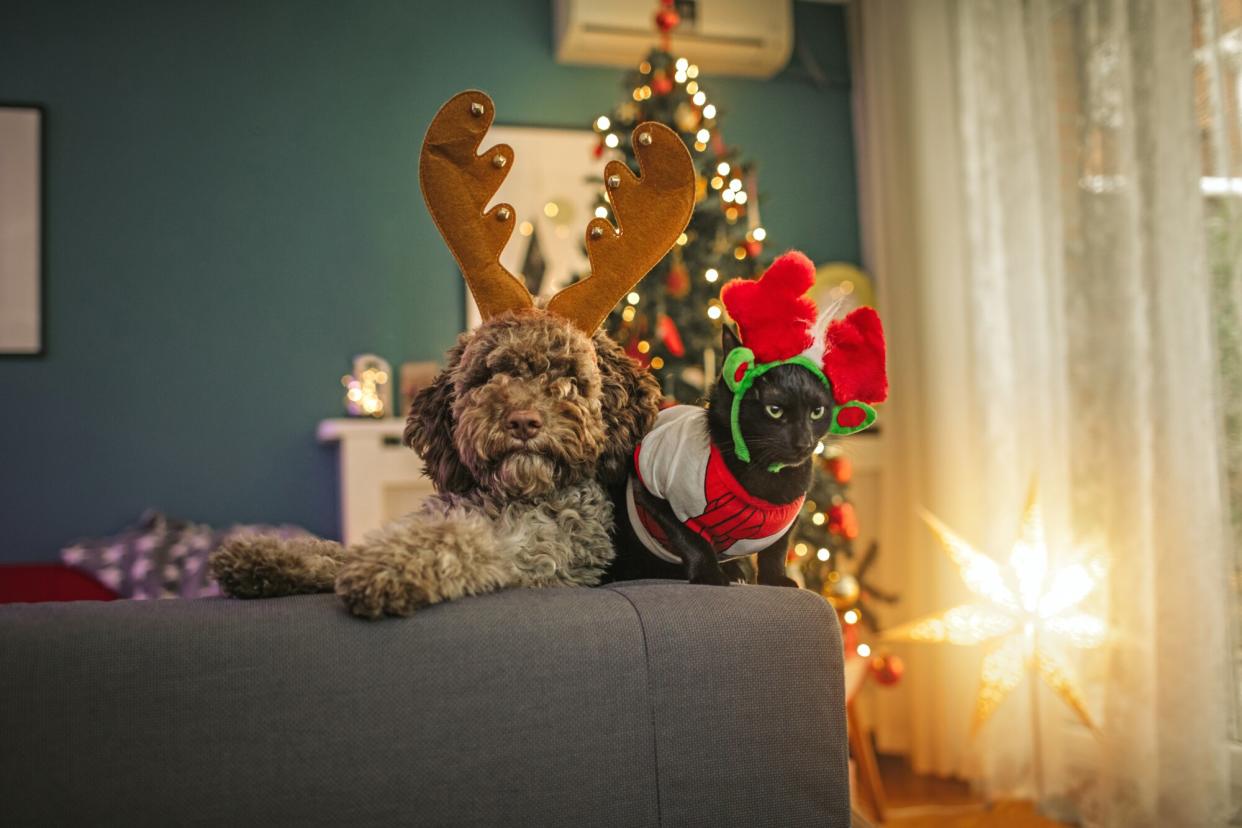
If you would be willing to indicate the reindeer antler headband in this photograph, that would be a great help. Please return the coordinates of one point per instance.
(778, 325)
(652, 210)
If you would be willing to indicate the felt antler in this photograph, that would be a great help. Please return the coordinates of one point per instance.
(457, 183)
(773, 316)
(854, 357)
(652, 210)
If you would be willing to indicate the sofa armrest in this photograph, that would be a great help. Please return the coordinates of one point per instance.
(748, 704)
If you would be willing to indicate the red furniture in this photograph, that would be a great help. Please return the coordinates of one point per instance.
(36, 583)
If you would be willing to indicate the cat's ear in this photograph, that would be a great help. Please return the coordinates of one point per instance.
(728, 340)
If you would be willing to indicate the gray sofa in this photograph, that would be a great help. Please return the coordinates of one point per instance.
(646, 703)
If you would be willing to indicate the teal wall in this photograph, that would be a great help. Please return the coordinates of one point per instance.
(233, 212)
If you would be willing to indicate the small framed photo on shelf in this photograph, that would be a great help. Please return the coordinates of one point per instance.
(21, 231)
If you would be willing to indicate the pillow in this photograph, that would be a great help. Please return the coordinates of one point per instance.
(160, 557)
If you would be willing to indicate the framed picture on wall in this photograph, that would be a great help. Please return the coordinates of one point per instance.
(552, 186)
(21, 231)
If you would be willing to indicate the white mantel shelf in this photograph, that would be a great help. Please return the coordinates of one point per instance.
(343, 428)
(381, 478)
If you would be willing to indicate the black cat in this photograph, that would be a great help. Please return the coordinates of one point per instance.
(751, 505)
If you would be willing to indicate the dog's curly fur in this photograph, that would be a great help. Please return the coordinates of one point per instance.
(507, 513)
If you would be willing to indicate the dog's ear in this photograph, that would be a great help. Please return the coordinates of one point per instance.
(429, 430)
(630, 400)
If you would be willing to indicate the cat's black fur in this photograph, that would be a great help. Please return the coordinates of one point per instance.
(789, 440)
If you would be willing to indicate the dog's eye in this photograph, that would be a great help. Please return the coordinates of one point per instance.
(774, 411)
(817, 413)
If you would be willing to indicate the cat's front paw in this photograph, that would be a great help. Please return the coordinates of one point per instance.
(782, 581)
(710, 577)
(374, 588)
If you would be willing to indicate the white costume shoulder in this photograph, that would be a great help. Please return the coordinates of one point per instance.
(672, 459)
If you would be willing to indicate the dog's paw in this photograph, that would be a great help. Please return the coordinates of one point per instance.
(373, 589)
(262, 566)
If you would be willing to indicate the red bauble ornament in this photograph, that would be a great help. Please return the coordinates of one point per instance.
(666, 329)
(842, 520)
(840, 468)
(667, 19)
(678, 282)
(887, 669)
(753, 248)
(661, 84)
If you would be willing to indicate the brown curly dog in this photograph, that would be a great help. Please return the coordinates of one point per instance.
(520, 432)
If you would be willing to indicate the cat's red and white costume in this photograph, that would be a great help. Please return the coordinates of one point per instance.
(677, 463)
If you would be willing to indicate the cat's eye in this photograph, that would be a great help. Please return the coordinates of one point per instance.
(817, 413)
(774, 411)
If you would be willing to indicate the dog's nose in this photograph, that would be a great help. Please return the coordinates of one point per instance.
(524, 424)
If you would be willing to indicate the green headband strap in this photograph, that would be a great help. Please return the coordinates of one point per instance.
(739, 374)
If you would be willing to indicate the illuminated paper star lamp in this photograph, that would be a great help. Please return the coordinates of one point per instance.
(1023, 607)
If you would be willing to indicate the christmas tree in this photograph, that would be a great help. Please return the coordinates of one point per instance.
(671, 321)
(824, 542)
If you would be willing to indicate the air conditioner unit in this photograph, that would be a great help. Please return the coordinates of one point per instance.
(724, 37)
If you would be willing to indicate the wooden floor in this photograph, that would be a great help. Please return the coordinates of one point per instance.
(929, 802)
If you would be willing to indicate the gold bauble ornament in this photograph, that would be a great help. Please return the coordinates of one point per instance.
(841, 590)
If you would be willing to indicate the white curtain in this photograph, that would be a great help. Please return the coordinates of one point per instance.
(1031, 191)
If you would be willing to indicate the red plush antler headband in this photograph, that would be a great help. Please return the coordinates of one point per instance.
(778, 325)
